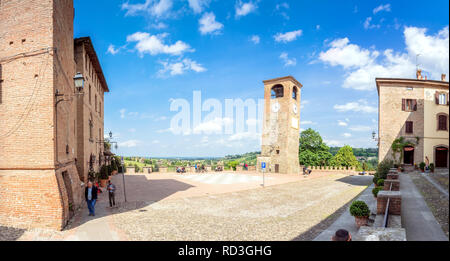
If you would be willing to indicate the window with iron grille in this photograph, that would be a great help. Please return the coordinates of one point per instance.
(409, 127)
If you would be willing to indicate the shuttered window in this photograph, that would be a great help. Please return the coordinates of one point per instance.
(442, 122)
(409, 105)
(409, 127)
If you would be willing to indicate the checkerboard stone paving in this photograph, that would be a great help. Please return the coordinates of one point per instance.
(223, 178)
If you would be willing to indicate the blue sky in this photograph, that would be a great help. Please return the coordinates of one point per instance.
(154, 51)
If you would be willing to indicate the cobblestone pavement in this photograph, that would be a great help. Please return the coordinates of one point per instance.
(171, 207)
(435, 199)
(279, 212)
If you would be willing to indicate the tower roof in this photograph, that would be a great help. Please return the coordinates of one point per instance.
(281, 79)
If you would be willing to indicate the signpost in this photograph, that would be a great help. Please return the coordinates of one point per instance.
(123, 178)
(263, 167)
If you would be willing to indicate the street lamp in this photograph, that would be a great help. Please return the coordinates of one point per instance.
(110, 134)
(79, 82)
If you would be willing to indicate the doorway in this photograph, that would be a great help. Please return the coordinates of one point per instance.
(441, 157)
(408, 155)
(277, 168)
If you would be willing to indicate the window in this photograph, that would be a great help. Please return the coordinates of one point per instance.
(409, 105)
(441, 98)
(91, 126)
(409, 127)
(277, 91)
(442, 122)
(294, 93)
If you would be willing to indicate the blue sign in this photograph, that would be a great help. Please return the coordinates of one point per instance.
(263, 165)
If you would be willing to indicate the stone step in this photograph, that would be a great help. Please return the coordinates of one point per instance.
(378, 221)
(395, 221)
(380, 234)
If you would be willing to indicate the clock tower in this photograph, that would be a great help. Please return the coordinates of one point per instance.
(281, 126)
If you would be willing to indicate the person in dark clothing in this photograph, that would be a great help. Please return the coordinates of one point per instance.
(111, 190)
(342, 235)
(90, 193)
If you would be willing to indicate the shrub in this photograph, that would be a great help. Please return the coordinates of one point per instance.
(431, 167)
(380, 182)
(383, 168)
(376, 190)
(104, 170)
(375, 179)
(422, 165)
(359, 209)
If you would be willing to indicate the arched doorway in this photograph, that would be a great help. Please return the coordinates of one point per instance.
(441, 157)
(408, 155)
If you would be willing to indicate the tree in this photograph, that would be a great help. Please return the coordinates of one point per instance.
(313, 151)
(345, 157)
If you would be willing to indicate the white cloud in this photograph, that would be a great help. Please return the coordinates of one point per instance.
(282, 5)
(155, 8)
(357, 106)
(154, 44)
(209, 25)
(243, 9)
(288, 61)
(156, 142)
(129, 143)
(360, 128)
(386, 8)
(364, 65)
(345, 54)
(112, 50)
(122, 113)
(244, 136)
(318, 27)
(212, 126)
(132, 130)
(342, 123)
(368, 25)
(159, 25)
(307, 123)
(347, 135)
(288, 37)
(336, 143)
(198, 5)
(255, 39)
(179, 67)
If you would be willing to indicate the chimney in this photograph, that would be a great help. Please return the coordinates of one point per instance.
(419, 74)
(443, 77)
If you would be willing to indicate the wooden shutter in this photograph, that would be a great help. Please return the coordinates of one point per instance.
(414, 104)
(403, 104)
(436, 97)
(448, 101)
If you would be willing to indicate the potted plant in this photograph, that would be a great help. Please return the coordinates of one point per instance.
(422, 166)
(361, 212)
(103, 176)
(432, 167)
(376, 190)
(374, 180)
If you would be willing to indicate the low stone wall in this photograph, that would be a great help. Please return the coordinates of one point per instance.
(395, 184)
(395, 203)
(131, 170)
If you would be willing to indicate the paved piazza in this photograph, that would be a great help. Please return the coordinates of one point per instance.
(215, 206)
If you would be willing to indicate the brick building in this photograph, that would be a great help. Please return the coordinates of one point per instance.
(417, 110)
(281, 126)
(40, 185)
(89, 109)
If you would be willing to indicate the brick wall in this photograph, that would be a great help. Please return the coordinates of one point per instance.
(37, 143)
(395, 204)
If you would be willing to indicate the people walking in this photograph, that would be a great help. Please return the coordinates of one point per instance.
(90, 194)
(111, 192)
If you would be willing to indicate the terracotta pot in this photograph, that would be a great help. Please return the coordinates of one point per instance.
(103, 183)
(361, 221)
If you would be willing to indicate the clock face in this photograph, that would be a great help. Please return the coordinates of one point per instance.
(276, 107)
(294, 108)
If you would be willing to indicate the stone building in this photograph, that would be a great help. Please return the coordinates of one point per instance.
(417, 110)
(39, 182)
(89, 109)
(281, 126)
